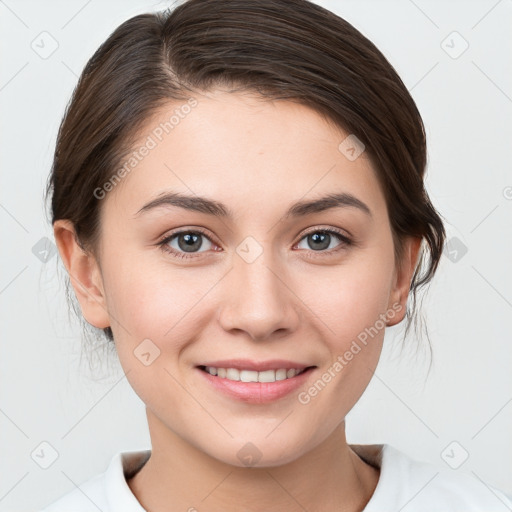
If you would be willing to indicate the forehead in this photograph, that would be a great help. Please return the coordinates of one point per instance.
(244, 150)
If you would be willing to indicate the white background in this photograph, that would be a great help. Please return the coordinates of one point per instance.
(48, 393)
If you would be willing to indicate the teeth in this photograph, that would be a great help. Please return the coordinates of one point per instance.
(281, 374)
(253, 376)
(266, 376)
(248, 376)
(232, 374)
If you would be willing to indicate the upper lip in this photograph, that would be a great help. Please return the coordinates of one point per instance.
(258, 366)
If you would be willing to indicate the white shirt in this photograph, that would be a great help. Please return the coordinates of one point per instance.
(404, 485)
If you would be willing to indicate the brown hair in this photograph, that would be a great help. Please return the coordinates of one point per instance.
(281, 49)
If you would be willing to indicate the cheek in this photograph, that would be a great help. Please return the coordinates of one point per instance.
(360, 303)
(351, 297)
(156, 301)
(355, 310)
(353, 340)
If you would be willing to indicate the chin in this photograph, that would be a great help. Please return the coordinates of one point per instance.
(259, 453)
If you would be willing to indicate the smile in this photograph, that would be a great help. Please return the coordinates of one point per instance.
(237, 375)
(255, 386)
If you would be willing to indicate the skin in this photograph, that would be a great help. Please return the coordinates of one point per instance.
(293, 302)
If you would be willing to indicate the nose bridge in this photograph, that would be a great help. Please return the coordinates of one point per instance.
(258, 300)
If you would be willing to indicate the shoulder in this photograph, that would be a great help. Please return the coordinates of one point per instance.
(419, 486)
(107, 491)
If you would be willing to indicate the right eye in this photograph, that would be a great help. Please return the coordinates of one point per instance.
(185, 243)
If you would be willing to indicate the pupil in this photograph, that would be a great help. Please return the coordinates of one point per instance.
(192, 242)
(322, 239)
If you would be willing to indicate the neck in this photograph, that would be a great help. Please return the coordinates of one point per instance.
(331, 477)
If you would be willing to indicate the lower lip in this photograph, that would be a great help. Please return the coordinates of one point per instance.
(257, 392)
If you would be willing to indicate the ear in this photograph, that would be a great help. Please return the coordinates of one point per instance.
(84, 273)
(403, 276)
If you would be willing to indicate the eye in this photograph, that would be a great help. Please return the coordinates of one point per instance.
(185, 244)
(188, 243)
(322, 239)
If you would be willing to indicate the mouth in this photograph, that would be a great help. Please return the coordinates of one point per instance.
(244, 375)
(255, 383)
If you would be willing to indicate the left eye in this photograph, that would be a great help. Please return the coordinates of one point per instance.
(321, 239)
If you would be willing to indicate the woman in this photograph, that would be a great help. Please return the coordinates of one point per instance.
(238, 198)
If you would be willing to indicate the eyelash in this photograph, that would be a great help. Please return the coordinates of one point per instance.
(163, 244)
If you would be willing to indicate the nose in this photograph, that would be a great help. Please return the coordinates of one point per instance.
(259, 300)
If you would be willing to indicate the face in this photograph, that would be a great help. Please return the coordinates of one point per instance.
(252, 281)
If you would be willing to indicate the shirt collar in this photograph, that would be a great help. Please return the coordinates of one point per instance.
(122, 466)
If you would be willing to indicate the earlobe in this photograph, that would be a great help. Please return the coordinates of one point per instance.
(84, 274)
(403, 278)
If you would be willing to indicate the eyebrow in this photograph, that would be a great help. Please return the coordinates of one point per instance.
(217, 209)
